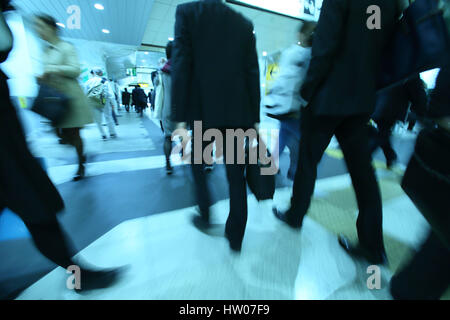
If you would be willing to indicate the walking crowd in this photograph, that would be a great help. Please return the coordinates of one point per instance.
(327, 87)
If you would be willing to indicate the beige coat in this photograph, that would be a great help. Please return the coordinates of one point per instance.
(61, 62)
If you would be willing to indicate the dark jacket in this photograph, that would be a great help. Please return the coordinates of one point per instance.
(139, 97)
(392, 104)
(440, 96)
(215, 71)
(126, 97)
(24, 186)
(345, 57)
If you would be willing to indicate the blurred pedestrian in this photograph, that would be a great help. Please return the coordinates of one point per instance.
(61, 71)
(215, 80)
(392, 106)
(100, 95)
(126, 99)
(339, 94)
(283, 102)
(427, 181)
(25, 187)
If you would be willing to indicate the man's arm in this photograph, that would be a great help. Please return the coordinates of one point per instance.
(253, 80)
(327, 38)
(418, 96)
(181, 67)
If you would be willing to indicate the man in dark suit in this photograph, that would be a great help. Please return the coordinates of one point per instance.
(339, 94)
(139, 100)
(392, 105)
(126, 99)
(215, 79)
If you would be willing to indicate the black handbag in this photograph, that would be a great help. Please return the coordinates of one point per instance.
(262, 186)
(420, 43)
(51, 104)
(427, 180)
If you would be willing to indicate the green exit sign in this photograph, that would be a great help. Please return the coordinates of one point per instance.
(131, 72)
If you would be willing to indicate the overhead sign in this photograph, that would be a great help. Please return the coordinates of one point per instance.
(131, 72)
(299, 9)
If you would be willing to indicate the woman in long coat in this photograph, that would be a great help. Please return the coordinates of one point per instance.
(61, 71)
(26, 189)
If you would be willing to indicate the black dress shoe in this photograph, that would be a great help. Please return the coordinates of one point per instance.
(361, 252)
(81, 174)
(92, 280)
(201, 223)
(283, 217)
(235, 246)
(169, 169)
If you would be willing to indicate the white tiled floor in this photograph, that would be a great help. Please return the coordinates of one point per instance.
(168, 258)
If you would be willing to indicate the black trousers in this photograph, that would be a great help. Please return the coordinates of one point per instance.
(352, 134)
(426, 276)
(237, 219)
(382, 139)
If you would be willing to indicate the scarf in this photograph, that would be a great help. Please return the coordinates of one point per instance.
(167, 67)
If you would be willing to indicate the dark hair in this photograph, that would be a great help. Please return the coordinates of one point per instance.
(169, 50)
(308, 26)
(48, 20)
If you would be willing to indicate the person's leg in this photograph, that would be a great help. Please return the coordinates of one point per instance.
(316, 136)
(374, 140)
(426, 276)
(98, 117)
(282, 141)
(51, 241)
(353, 136)
(73, 137)
(55, 245)
(167, 153)
(114, 117)
(385, 133)
(293, 143)
(202, 194)
(109, 120)
(237, 219)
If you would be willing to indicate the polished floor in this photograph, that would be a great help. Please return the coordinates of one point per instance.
(129, 213)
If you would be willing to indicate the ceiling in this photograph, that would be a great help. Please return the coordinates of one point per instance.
(274, 32)
(126, 20)
(147, 25)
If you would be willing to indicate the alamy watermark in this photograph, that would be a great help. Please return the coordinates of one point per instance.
(74, 280)
(374, 281)
(233, 146)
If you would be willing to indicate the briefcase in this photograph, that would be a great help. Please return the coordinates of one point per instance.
(51, 104)
(262, 186)
(427, 180)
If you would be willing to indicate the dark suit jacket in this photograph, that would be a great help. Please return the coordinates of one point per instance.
(139, 97)
(24, 186)
(440, 96)
(345, 57)
(126, 96)
(215, 71)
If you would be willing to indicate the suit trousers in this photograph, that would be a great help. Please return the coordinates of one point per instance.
(98, 117)
(237, 219)
(353, 136)
(382, 139)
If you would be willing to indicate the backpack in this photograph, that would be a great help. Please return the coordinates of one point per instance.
(96, 94)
